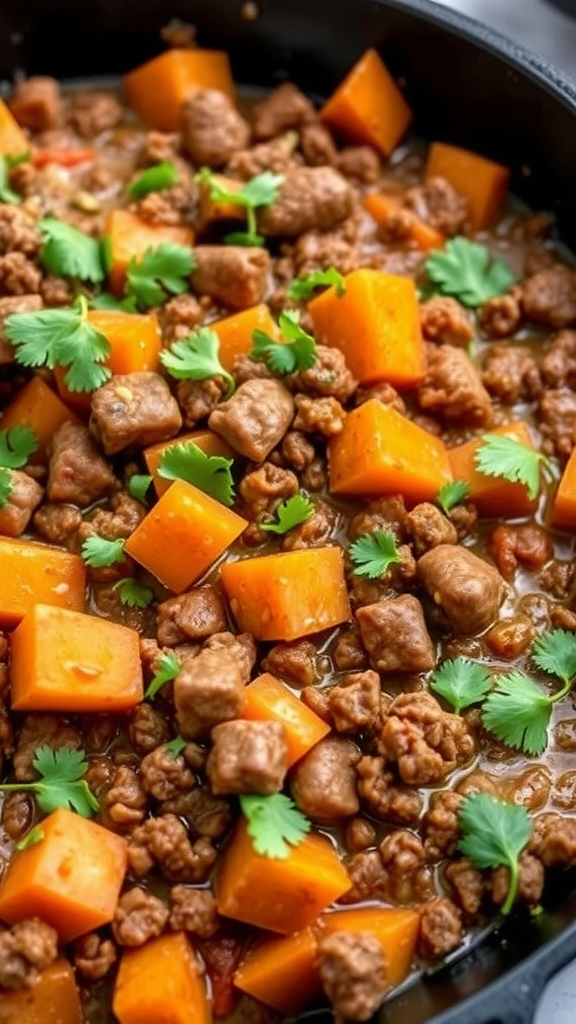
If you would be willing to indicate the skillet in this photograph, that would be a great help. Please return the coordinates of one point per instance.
(468, 85)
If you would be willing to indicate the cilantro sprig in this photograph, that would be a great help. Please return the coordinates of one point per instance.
(99, 553)
(17, 444)
(162, 270)
(210, 473)
(154, 179)
(68, 252)
(138, 486)
(195, 357)
(461, 682)
(495, 834)
(464, 270)
(302, 288)
(61, 783)
(6, 487)
(274, 823)
(503, 456)
(296, 352)
(261, 190)
(290, 513)
(452, 494)
(134, 594)
(168, 669)
(373, 553)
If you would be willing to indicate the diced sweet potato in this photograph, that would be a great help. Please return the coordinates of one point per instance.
(36, 573)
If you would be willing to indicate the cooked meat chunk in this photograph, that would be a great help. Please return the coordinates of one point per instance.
(368, 877)
(429, 527)
(193, 910)
(557, 414)
(276, 156)
(77, 472)
(468, 885)
(94, 956)
(232, 275)
(361, 163)
(353, 973)
(212, 128)
(549, 297)
(255, 419)
(310, 199)
(387, 513)
(247, 757)
(192, 616)
(395, 635)
(467, 588)
(25, 950)
(164, 842)
(147, 728)
(295, 662)
(329, 376)
(57, 523)
(13, 304)
(445, 321)
(317, 145)
(384, 796)
(38, 729)
(554, 840)
(134, 408)
(209, 689)
(530, 880)
(285, 107)
(315, 250)
(123, 803)
(354, 702)
(19, 275)
(510, 373)
(323, 782)
(409, 878)
(426, 742)
(19, 233)
(139, 916)
(25, 495)
(441, 828)
(452, 387)
(527, 545)
(92, 111)
(558, 366)
(319, 415)
(197, 398)
(440, 929)
(437, 203)
(500, 317)
(164, 776)
(239, 646)
(37, 103)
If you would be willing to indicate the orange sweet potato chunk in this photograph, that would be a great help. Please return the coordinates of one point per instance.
(53, 999)
(130, 235)
(384, 209)
(395, 928)
(376, 326)
(287, 595)
(482, 181)
(207, 440)
(493, 495)
(379, 451)
(156, 90)
(235, 332)
(38, 407)
(563, 508)
(13, 140)
(267, 699)
(134, 339)
(161, 982)
(31, 573)
(368, 107)
(68, 661)
(71, 878)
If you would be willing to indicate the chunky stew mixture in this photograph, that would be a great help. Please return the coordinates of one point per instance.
(287, 580)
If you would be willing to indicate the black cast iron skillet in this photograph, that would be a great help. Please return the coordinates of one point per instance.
(467, 85)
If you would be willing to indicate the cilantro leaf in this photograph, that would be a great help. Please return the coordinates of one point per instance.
(34, 836)
(274, 822)
(61, 783)
(168, 669)
(5, 487)
(555, 652)
(105, 300)
(503, 456)
(17, 444)
(210, 473)
(452, 494)
(261, 190)
(134, 594)
(98, 552)
(247, 238)
(138, 485)
(518, 713)
(68, 252)
(163, 269)
(153, 179)
(61, 337)
(303, 288)
(297, 352)
(176, 746)
(464, 269)
(495, 834)
(195, 357)
(374, 553)
(7, 194)
(290, 513)
(461, 682)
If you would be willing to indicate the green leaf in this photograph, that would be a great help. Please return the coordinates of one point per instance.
(461, 682)
(555, 652)
(176, 746)
(262, 190)
(374, 553)
(98, 552)
(502, 456)
(495, 834)
(195, 357)
(297, 352)
(452, 494)
(17, 444)
(7, 194)
(302, 289)
(518, 713)
(161, 270)
(259, 191)
(168, 669)
(210, 473)
(61, 783)
(247, 238)
(290, 513)
(34, 836)
(68, 252)
(274, 824)
(464, 269)
(153, 179)
(138, 485)
(134, 594)
(105, 300)
(5, 487)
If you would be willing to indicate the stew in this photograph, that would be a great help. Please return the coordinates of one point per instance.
(287, 578)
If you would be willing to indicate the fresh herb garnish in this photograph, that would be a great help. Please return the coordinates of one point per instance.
(99, 553)
(105, 300)
(297, 352)
(61, 783)
(374, 553)
(452, 494)
(195, 357)
(176, 746)
(495, 833)
(133, 594)
(503, 456)
(461, 682)
(5, 487)
(17, 444)
(464, 270)
(7, 194)
(290, 513)
(262, 190)
(168, 669)
(164, 269)
(138, 485)
(210, 473)
(32, 838)
(153, 179)
(555, 653)
(68, 252)
(274, 824)
(302, 289)
(61, 337)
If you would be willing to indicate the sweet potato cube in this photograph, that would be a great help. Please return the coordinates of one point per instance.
(53, 999)
(368, 107)
(134, 339)
(268, 700)
(235, 332)
(38, 407)
(379, 451)
(385, 208)
(493, 495)
(395, 928)
(279, 895)
(280, 972)
(31, 573)
(157, 89)
(13, 140)
(183, 534)
(287, 595)
(480, 180)
(71, 878)
(207, 440)
(161, 982)
(376, 326)
(563, 508)
(130, 235)
(68, 661)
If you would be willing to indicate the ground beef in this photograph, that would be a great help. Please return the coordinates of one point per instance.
(316, 250)
(19, 233)
(77, 472)
(384, 796)
(557, 415)
(197, 398)
(55, 291)
(359, 834)
(205, 814)
(317, 145)
(452, 387)
(17, 815)
(276, 156)
(209, 689)
(36, 730)
(285, 107)
(94, 956)
(409, 878)
(164, 842)
(323, 782)
(438, 204)
(163, 775)
(25, 495)
(530, 881)
(255, 419)
(395, 635)
(139, 916)
(13, 304)
(323, 416)
(558, 365)
(232, 275)
(295, 662)
(212, 128)
(239, 646)
(361, 163)
(123, 804)
(193, 910)
(26, 949)
(263, 489)
(549, 297)
(315, 532)
(554, 840)
(354, 702)
(18, 275)
(309, 199)
(368, 877)
(134, 409)
(500, 317)
(440, 929)
(147, 728)
(57, 523)
(464, 586)
(120, 519)
(353, 973)
(170, 206)
(36, 103)
(192, 616)
(468, 885)
(527, 545)
(426, 742)
(387, 514)
(445, 321)
(510, 373)
(247, 757)
(428, 527)
(180, 316)
(92, 111)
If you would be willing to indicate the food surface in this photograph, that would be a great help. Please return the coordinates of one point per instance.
(287, 575)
